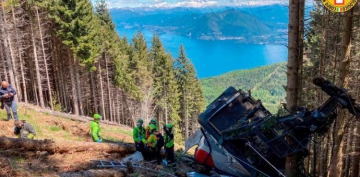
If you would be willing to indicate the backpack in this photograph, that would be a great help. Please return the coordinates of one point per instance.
(160, 140)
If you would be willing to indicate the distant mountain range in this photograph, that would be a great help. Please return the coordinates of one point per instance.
(263, 24)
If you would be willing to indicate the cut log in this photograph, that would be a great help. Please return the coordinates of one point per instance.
(95, 173)
(63, 146)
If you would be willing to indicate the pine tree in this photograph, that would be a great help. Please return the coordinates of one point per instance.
(191, 98)
(166, 96)
(139, 67)
(75, 20)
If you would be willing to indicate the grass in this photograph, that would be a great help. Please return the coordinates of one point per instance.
(16, 161)
(55, 129)
(80, 139)
(38, 130)
(68, 135)
(109, 138)
(120, 130)
(3, 115)
(61, 130)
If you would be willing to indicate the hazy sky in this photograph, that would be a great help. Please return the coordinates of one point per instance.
(188, 3)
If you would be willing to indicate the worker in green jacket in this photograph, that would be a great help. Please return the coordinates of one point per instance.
(95, 128)
(139, 136)
(155, 142)
(169, 144)
(147, 129)
(152, 140)
(24, 130)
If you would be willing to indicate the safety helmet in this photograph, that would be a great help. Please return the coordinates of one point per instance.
(152, 127)
(140, 120)
(97, 116)
(153, 121)
(169, 126)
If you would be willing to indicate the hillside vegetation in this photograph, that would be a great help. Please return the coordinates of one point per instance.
(266, 83)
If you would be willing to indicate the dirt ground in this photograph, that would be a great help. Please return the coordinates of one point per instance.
(17, 162)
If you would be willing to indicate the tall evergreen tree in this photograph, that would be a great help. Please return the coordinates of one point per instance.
(166, 100)
(191, 98)
(139, 67)
(75, 20)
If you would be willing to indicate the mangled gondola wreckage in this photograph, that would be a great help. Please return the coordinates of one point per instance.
(239, 137)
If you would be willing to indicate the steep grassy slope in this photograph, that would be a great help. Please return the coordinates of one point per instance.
(19, 162)
(266, 83)
(59, 129)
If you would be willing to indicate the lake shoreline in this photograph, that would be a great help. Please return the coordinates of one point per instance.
(216, 57)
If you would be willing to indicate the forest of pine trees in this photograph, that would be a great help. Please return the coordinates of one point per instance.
(331, 49)
(66, 55)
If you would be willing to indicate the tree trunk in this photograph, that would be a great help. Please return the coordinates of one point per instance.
(7, 52)
(78, 86)
(294, 62)
(93, 88)
(118, 108)
(37, 68)
(35, 93)
(73, 84)
(186, 116)
(63, 146)
(101, 92)
(44, 59)
(348, 149)
(22, 92)
(11, 61)
(343, 81)
(57, 76)
(62, 78)
(356, 135)
(3, 61)
(114, 105)
(108, 87)
(356, 163)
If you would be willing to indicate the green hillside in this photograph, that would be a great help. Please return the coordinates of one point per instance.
(266, 83)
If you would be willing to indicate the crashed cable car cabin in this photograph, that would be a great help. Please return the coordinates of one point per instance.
(240, 137)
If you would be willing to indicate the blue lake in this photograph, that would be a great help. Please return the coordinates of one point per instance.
(212, 58)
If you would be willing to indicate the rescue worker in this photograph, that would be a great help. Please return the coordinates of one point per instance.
(7, 94)
(139, 136)
(152, 122)
(95, 128)
(155, 143)
(24, 130)
(169, 144)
